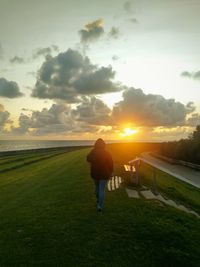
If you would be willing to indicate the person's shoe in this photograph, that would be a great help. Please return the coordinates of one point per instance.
(99, 208)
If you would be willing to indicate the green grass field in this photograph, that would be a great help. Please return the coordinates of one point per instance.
(48, 218)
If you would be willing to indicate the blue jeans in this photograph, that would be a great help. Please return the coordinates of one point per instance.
(100, 191)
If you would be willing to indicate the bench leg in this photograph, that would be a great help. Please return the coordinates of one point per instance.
(155, 191)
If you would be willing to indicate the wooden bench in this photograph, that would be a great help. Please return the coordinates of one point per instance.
(133, 169)
(129, 168)
(136, 162)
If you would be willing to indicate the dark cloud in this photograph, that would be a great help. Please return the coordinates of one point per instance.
(114, 33)
(192, 75)
(45, 51)
(60, 118)
(70, 75)
(133, 20)
(55, 48)
(50, 129)
(85, 128)
(193, 120)
(196, 75)
(17, 59)
(92, 31)
(92, 115)
(190, 107)
(115, 58)
(52, 120)
(4, 117)
(56, 114)
(143, 109)
(27, 109)
(186, 74)
(92, 111)
(128, 7)
(9, 89)
(96, 82)
(165, 133)
(24, 124)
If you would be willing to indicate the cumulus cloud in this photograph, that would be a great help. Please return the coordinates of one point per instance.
(115, 58)
(129, 10)
(114, 33)
(186, 74)
(150, 110)
(60, 119)
(55, 119)
(55, 48)
(193, 120)
(70, 75)
(92, 111)
(92, 31)
(24, 124)
(167, 134)
(192, 75)
(9, 89)
(56, 114)
(133, 20)
(17, 59)
(128, 7)
(4, 117)
(26, 109)
(44, 51)
(92, 115)
(96, 82)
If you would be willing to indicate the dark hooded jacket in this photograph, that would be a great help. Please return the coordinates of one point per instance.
(101, 161)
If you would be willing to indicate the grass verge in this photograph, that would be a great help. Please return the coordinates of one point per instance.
(48, 218)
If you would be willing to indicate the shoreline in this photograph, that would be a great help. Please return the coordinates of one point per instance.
(66, 147)
(46, 149)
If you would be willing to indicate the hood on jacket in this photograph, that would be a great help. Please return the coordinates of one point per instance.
(100, 144)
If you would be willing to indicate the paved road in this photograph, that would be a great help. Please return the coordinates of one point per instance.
(183, 173)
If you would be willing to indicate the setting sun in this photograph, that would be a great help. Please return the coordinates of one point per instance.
(128, 132)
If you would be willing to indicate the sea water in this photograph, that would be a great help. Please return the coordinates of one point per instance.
(13, 145)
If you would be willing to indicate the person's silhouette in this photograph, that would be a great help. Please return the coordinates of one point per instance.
(101, 169)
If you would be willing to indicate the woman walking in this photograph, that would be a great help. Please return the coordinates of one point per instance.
(101, 169)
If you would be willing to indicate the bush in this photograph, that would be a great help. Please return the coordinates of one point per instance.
(185, 149)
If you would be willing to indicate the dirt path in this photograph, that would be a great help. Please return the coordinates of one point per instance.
(183, 173)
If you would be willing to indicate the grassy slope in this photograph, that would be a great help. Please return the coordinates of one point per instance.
(169, 186)
(181, 192)
(48, 218)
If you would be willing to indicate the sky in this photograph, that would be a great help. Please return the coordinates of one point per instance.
(111, 69)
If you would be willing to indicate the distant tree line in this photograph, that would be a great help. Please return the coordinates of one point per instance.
(185, 149)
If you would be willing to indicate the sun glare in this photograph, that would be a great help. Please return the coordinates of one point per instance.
(128, 132)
